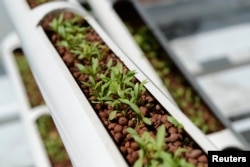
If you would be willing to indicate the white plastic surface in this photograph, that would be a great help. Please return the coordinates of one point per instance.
(8, 104)
(226, 139)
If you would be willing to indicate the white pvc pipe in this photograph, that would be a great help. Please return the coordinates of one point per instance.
(226, 139)
(81, 130)
(83, 134)
(39, 111)
(37, 148)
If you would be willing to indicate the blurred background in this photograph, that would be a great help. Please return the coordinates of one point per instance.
(14, 148)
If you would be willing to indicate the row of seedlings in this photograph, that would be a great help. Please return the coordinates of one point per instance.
(142, 129)
(187, 99)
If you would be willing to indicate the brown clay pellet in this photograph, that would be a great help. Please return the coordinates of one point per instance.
(118, 128)
(123, 121)
(158, 107)
(172, 130)
(127, 144)
(203, 159)
(128, 137)
(118, 136)
(143, 110)
(164, 119)
(123, 150)
(168, 125)
(134, 146)
(193, 161)
(111, 126)
(130, 150)
(195, 153)
(103, 115)
(124, 131)
(173, 137)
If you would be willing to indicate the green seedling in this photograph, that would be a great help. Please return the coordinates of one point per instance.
(152, 150)
(68, 27)
(57, 25)
(86, 50)
(92, 70)
(128, 92)
(175, 122)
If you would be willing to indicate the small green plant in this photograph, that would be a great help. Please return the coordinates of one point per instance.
(152, 153)
(92, 70)
(86, 50)
(68, 28)
(175, 122)
(116, 88)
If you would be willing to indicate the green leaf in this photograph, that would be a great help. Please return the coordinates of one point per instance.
(174, 122)
(184, 163)
(142, 85)
(129, 76)
(86, 83)
(54, 25)
(138, 163)
(94, 66)
(146, 120)
(160, 136)
(131, 105)
(64, 43)
(104, 89)
(109, 64)
(167, 159)
(61, 31)
(92, 81)
(132, 131)
(112, 115)
(114, 86)
(81, 67)
(119, 67)
(141, 154)
(104, 98)
(136, 137)
(179, 151)
(60, 18)
(136, 89)
(120, 93)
